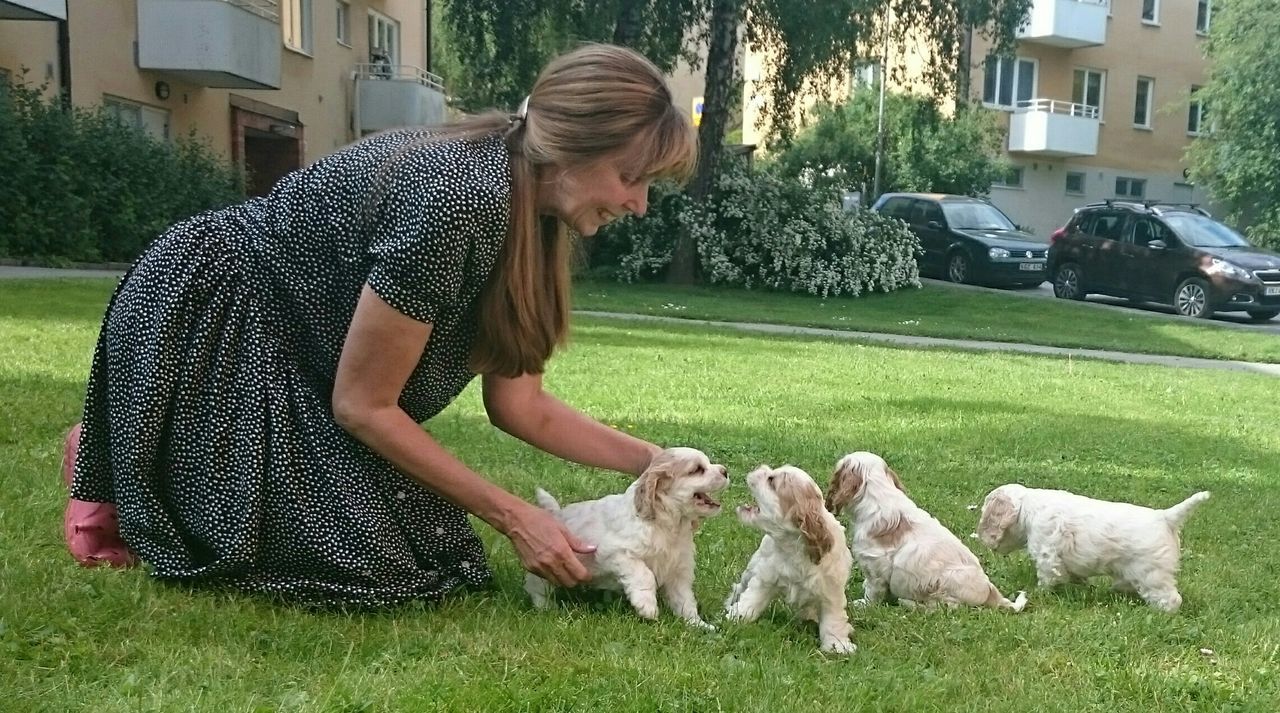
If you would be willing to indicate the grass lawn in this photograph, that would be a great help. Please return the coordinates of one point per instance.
(953, 424)
(940, 310)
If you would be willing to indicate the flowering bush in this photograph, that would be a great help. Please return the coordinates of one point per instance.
(760, 229)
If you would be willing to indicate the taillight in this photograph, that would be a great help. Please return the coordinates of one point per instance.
(1060, 232)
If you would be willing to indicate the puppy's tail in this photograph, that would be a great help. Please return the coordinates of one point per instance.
(545, 501)
(1179, 513)
(996, 600)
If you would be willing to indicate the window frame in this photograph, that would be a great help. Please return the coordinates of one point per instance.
(1003, 182)
(1207, 17)
(343, 31)
(1067, 183)
(1130, 182)
(1017, 64)
(115, 105)
(1196, 108)
(1102, 87)
(296, 16)
(376, 20)
(1155, 13)
(1146, 110)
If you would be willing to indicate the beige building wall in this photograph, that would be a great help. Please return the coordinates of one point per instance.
(315, 101)
(1168, 51)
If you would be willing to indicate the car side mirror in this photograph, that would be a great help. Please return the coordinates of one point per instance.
(933, 225)
(1157, 244)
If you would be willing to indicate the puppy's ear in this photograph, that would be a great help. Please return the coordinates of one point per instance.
(650, 488)
(806, 513)
(999, 512)
(846, 481)
(897, 482)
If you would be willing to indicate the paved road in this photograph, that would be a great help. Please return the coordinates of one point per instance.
(1238, 320)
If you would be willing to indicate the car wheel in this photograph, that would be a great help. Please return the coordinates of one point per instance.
(1191, 299)
(1067, 282)
(1263, 315)
(959, 268)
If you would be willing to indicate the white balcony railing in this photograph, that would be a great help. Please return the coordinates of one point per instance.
(394, 95)
(269, 9)
(234, 44)
(1066, 23)
(399, 72)
(1048, 127)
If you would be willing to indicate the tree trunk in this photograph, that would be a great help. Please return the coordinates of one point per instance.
(630, 17)
(722, 58)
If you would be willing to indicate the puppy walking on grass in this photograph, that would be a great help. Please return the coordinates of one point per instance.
(644, 536)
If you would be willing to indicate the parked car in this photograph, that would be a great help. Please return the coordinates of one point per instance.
(968, 239)
(1174, 254)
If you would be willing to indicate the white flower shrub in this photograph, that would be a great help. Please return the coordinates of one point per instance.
(760, 230)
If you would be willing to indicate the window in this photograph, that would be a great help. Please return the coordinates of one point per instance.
(1131, 187)
(1151, 11)
(897, 207)
(1012, 179)
(384, 38)
(1203, 9)
(344, 23)
(295, 22)
(1142, 102)
(1103, 224)
(865, 75)
(1143, 230)
(155, 122)
(1197, 115)
(1087, 88)
(1075, 183)
(1008, 80)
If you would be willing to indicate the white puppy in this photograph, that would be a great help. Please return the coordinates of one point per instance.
(803, 556)
(644, 537)
(905, 553)
(1072, 537)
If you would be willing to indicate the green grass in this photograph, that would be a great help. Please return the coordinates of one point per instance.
(953, 424)
(941, 310)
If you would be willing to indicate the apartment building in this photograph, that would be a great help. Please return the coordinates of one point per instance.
(271, 84)
(1099, 103)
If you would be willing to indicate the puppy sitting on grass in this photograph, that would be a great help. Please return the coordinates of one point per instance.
(644, 536)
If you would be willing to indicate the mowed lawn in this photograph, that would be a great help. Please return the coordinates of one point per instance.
(953, 424)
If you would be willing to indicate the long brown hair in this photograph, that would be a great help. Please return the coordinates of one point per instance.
(594, 102)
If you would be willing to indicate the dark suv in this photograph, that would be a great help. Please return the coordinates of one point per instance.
(1174, 254)
(967, 239)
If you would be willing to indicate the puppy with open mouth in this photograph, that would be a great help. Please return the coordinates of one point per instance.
(644, 536)
(802, 557)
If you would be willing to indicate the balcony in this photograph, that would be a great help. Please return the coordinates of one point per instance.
(390, 96)
(33, 9)
(1046, 127)
(1066, 23)
(233, 44)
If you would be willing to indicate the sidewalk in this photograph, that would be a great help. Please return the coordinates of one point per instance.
(970, 344)
(9, 271)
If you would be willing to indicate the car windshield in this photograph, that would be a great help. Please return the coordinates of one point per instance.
(976, 216)
(1204, 232)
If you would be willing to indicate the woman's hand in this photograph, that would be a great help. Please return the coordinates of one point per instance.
(547, 548)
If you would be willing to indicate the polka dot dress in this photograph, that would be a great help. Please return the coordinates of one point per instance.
(208, 418)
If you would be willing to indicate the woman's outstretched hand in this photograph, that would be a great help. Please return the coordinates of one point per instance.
(547, 548)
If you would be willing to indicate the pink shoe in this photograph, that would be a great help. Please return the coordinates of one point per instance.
(92, 529)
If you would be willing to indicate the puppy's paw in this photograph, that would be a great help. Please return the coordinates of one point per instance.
(647, 611)
(842, 647)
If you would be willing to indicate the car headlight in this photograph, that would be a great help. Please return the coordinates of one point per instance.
(997, 253)
(1222, 267)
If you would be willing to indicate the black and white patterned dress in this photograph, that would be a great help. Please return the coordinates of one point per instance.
(208, 417)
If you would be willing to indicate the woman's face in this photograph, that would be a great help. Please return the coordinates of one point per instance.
(589, 197)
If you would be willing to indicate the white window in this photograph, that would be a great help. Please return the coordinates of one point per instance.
(865, 75)
(344, 23)
(1203, 9)
(1130, 187)
(384, 39)
(155, 122)
(1146, 90)
(1012, 179)
(1197, 114)
(1088, 87)
(295, 23)
(1151, 11)
(1075, 183)
(1008, 80)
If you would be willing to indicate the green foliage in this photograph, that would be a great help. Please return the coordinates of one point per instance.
(924, 149)
(501, 45)
(1238, 159)
(81, 186)
(764, 229)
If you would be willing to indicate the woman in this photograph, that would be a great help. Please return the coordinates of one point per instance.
(262, 371)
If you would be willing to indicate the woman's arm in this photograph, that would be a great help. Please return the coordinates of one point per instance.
(520, 407)
(382, 349)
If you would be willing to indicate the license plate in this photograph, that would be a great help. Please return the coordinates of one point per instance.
(1034, 266)
(1270, 291)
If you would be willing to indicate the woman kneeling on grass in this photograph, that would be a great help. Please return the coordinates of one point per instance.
(254, 405)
